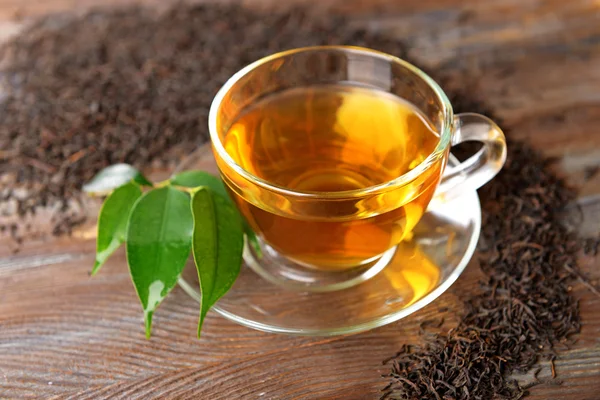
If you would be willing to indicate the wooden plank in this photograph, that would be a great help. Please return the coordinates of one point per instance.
(89, 334)
(296, 377)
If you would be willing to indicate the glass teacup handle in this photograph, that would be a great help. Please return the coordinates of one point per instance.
(481, 167)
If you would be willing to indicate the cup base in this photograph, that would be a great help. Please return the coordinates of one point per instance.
(292, 275)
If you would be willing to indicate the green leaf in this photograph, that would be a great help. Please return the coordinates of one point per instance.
(217, 245)
(112, 221)
(114, 176)
(253, 240)
(193, 179)
(159, 238)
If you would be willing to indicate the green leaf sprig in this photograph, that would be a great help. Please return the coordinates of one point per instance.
(161, 224)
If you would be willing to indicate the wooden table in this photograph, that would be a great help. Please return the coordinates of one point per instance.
(66, 335)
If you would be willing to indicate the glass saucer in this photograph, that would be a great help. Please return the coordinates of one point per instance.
(419, 271)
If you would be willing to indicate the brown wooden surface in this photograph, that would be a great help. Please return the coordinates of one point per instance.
(65, 335)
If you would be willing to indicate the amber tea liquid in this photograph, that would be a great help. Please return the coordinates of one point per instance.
(326, 139)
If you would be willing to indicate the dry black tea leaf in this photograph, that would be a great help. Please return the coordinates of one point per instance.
(128, 86)
(523, 306)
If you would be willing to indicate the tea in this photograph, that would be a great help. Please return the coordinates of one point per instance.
(325, 139)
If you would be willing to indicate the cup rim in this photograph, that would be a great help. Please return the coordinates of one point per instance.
(445, 134)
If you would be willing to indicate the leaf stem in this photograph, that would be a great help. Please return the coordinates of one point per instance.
(168, 182)
(161, 184)
(188, 189)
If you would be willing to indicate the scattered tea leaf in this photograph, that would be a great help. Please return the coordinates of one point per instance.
(523, 306)
(114, 176)
(217, 245)
(112, 221)
(158, 245)
(193, 179)
(121, 122)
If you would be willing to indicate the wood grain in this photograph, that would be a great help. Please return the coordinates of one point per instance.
(64, 335)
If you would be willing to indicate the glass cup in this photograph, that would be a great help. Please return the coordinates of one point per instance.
(334, 239)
